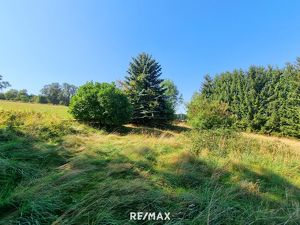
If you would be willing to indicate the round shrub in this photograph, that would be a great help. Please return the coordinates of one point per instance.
(102, 103)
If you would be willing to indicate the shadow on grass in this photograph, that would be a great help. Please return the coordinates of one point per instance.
(166, 131)
(103, 187)
(279, 189)
(188, 187)
(23, 160)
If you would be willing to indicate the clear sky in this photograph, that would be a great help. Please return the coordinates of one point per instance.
(77, 41)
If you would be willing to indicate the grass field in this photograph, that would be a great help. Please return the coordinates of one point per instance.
(67, 173)
(56, 110)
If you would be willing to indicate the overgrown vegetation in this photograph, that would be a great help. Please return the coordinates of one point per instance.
(65, 173)
(54, 170)
(208, 114)
(259, 99)
(37, 125)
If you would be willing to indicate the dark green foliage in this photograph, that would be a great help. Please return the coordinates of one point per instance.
(2, 96)
(101, 103)
(146, 94)
(207, 86)
(208, 114)
(181, 116)
(40, 99)
(260, 99)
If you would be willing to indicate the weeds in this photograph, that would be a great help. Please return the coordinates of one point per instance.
(66, 173)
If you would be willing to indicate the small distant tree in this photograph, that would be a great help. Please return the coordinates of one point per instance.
(3, 84)
(145, 92)
(102, 103)
(174, 97)
(11, 94)
(59, 94)
(52, 92)
(67, 91)
(23, 96)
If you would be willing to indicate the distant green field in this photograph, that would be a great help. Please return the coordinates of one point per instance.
(57, 110)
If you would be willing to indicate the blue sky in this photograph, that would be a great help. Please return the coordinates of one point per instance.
(78, 41)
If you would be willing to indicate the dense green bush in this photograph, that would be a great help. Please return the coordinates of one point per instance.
(205, 114)
(101, 103)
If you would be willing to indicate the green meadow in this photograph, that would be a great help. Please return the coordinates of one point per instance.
(56, 110)
(57, 171)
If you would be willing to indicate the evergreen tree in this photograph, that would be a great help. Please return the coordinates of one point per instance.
(207, 86)
(145, 92)
(263, 99)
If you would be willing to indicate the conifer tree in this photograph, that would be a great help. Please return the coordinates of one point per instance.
(265, 99)
(207, 86)
(145, 92)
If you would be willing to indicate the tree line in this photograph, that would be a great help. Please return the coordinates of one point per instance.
(143, 98)
(53, 93)
(261, 99)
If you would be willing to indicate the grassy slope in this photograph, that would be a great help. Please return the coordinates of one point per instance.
(80, 175)
(57, 110)
(293, 143)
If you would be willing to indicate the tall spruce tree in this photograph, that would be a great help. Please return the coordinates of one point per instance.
(145, 92)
